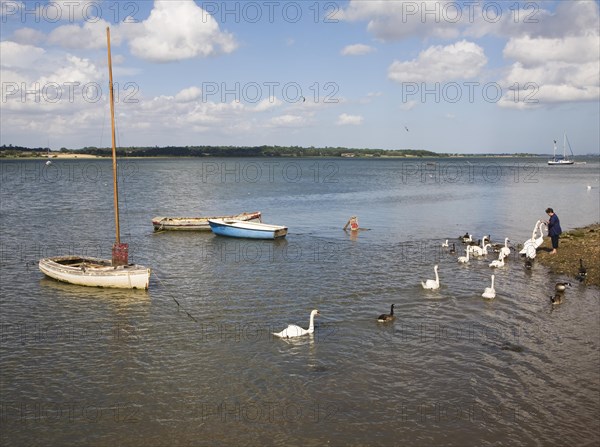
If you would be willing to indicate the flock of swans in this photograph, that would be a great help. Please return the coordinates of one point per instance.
(473, 248)
(477, 251)
(481, 248)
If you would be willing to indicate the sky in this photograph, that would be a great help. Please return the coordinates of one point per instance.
(445, 76)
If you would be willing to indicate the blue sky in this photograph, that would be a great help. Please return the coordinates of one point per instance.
(467, 77)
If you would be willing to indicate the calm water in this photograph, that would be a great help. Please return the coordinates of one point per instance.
(103, 367)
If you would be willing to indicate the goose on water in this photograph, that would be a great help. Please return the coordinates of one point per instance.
(582, 271)
(556, 299)
(466, 238)
(489, 292)
(387, 317)
(452, 249)
(561, 286)
(432, 284)
(296, 331)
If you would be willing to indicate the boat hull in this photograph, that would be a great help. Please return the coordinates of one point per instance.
(198, 223)
(560, 162)
(248, 230)
(94, 272)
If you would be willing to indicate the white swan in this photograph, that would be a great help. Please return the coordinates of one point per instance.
(296, 331)
(505, 250)
(530, 245)
(498, 262)
(432, 283)
(445, 244)
(479, 251)
(464, 259)
(490, 292)
(474, 247)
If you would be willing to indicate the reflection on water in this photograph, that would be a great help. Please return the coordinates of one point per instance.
(131, 367)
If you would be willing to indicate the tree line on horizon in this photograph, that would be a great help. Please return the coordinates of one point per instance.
(228, 151)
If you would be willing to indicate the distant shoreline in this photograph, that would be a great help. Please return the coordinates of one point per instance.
(19, 152)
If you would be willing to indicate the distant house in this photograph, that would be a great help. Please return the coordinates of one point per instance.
(347, 154)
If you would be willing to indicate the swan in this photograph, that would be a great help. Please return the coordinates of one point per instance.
(582, 271)
(556, 299)
(464, 259)
(562, 286)
(475, 247)
(445, 244)
(530, 245)
(296, 331)
(498, 262)
(505, 250)
(386, 317)
(432, 283)
(478, 251)
(490, 292)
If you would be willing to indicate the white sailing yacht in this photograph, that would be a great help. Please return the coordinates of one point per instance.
(564, 160)
(94, 272)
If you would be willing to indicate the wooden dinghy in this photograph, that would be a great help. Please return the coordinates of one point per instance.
(250, 230)
(198, 223)
(94, 272)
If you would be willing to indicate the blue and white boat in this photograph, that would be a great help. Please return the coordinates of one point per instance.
(245, 229)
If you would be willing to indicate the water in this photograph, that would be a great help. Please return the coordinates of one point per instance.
(101, 367)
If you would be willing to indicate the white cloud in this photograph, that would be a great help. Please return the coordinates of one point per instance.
(287, 121)
(28, 36)
(356, 50)
(569, 49)
(178, 30)
(551, 70)
(349, 120)
(408, 105)
(400, 19)
(575, 18)
(462, 60)
(19, 55)
(267, 104)
(188, 94)
(90, 35)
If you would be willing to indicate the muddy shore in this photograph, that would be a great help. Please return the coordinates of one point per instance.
(580, 243)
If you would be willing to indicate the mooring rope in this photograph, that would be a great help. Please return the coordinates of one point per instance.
(172, 297)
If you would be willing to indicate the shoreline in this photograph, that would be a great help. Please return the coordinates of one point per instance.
(72, 156)
(578, 243)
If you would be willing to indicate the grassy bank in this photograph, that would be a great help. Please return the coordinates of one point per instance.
(581, 243)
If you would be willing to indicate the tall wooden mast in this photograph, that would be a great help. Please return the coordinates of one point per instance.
(114, 141)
